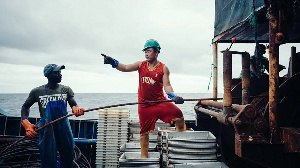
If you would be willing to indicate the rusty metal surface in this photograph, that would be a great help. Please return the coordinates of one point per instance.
(249, 111)
(261, 103)
(289, 106)
(273, 14)
(209, 112)
(241, 139)
(245, 78)
(212, 103)
(257, 138)
(227, 78)
(291, 139)
(215, 70)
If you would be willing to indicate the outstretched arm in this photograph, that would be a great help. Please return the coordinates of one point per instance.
(129, 67)
(120, 66)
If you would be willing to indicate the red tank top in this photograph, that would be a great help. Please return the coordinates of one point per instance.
(151, 83)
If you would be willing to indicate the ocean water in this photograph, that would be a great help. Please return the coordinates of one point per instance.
(12, 103)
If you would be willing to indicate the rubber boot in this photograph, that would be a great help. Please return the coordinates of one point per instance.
(144, 141)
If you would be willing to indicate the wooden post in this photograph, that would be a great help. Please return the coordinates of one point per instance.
(215, 70)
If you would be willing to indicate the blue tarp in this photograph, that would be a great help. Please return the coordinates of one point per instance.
(233, 18)
(229, 13)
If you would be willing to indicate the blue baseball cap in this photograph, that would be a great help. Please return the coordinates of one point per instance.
(52, 67)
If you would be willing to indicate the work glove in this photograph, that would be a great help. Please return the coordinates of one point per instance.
(177, 99)
(29, 128)
(78, 111)
(109, 60)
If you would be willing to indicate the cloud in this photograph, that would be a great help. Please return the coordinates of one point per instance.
(75, 33)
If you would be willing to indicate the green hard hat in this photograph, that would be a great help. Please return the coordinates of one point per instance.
(151, 43)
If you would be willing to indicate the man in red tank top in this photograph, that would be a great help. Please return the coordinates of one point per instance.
(153, 78)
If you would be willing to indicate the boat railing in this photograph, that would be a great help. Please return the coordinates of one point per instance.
(84, 131)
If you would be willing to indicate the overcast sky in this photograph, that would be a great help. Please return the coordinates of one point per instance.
(74, 33)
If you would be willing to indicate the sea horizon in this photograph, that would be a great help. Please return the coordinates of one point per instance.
(11, 103)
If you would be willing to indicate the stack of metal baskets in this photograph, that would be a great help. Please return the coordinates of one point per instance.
(112, 133)
(201, 165)
(190, 147)
(135, 147)
(162, 143)
(133, 159)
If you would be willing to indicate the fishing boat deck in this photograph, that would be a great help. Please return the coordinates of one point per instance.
(85, 132)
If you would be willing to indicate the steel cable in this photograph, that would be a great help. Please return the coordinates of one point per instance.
(104, 107)
(79, 156)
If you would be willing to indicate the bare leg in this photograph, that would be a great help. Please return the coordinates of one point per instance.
(144, 141)
(180, 125)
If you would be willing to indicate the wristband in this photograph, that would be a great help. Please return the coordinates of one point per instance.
(116, 63)
(171, 95)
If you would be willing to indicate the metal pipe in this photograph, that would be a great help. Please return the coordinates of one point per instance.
(227, 81)
(292, 67)
(212, 104)
(219, 105)
(273, 71)
(245, 78)
(215, 70)
(248, 110)
(207, 111)
(217, 115)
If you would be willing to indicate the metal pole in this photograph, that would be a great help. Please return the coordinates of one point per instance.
(273, 72)
(293, 61)
(227, 81)
(245, 78)
(215, 70)
(227, 78)
(219, 105)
